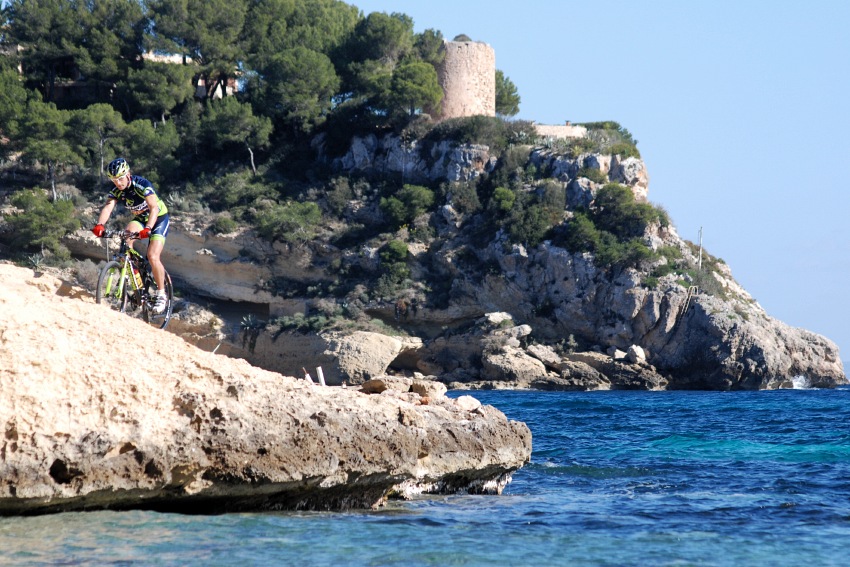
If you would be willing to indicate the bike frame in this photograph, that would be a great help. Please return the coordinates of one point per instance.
(125, 256)
(120, 287)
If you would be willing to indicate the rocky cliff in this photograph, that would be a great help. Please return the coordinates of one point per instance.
(569, 323)
(98, 410)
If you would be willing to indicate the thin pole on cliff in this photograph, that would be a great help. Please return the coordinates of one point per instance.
(699, 267)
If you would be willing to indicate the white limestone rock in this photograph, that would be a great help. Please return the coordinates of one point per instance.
(88, 427)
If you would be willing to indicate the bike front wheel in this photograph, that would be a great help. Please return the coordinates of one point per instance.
(110, 289)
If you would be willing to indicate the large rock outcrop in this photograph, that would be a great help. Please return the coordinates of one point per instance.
(691, 337)
(446, 160)
(98, 410)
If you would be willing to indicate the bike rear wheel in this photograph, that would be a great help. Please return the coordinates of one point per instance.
(109, 291)
(159, 320)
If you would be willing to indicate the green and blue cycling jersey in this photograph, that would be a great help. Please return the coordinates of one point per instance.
(133, 197)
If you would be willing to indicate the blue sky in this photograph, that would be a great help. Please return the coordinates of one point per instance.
(740, 109)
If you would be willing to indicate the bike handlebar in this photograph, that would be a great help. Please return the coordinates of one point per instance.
(124, 234)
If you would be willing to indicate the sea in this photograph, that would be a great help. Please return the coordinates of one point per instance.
(615, 478)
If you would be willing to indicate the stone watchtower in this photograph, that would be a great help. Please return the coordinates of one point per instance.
(468, 78)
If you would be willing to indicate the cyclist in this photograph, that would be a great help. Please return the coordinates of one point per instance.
(150, 218)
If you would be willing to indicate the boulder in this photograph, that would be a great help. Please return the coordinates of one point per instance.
(362, 355)
(512, 364)
(544, 354)
(635, 355)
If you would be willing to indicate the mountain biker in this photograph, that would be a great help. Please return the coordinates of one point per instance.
(150, 218)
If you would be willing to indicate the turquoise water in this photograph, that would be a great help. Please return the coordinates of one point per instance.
(616, 478)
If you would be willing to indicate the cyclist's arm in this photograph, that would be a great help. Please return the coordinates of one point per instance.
(106, 211)
(153, 212)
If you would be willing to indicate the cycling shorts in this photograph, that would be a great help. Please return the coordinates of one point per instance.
(160, 229)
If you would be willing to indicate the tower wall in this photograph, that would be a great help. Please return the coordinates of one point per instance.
(468, 78)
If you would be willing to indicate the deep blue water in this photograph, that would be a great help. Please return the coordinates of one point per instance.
(616, 478)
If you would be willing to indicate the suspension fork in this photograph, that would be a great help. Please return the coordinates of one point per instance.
(122, 277)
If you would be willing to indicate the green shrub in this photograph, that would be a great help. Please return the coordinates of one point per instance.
(687, 271)
(663, 270)
(533, 215)
(704, 279)
(410, 202)
(511, 170)
(40, 224)
(394, 251)
(301, 323)
(395, 271)
(464, 197)
(514, 159)
(338, 194)
(529, 225)
(389, 285)
(553, 196)
(612, 127)
(624, 150)
(583, 234)
(616, 211)
(503, 199)
(394, 211)
(289, 222)
(223, 224)
(670, 252)
(493, 132)
(423, 234)
(595, 175)
(235, 190)
(610, 138)
(574, 147)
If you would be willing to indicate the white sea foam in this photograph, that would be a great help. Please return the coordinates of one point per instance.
(801, 382)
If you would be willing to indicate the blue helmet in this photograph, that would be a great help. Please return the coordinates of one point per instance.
(117, 168)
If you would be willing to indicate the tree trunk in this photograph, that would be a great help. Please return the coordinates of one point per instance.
(100, 172)
(253, 167)
(51, 169)
(51, 83)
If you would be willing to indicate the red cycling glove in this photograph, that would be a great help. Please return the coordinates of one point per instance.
(145, 233)
(98, 230)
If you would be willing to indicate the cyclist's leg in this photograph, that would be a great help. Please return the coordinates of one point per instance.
(155, 246)
(133, 226)
(154, 251)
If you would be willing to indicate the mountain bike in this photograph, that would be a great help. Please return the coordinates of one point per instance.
(127, 285)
